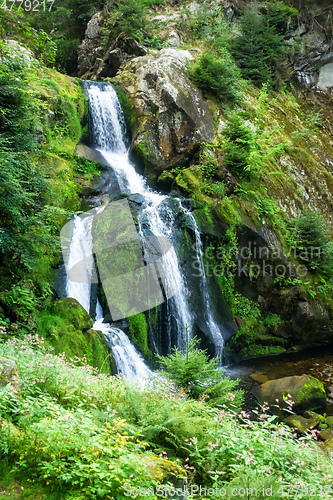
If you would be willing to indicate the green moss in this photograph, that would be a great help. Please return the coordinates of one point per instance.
(138, 332)
(67, 327)
(153, 315)
(314, 389)
(260, 350)
(72, 312)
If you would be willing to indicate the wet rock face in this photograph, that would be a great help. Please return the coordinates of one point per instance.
(312, 63)
(91, 45)
(173, 119)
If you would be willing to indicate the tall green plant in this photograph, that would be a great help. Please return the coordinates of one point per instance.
(238, 145)
(200, 376)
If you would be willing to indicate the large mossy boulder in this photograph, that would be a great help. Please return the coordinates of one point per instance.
(72, 311)
(172, 117)
(307, 392)
(8, 372)
(68, 328)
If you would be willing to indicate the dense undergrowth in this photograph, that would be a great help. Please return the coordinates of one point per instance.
(40, 180)
(81, 435)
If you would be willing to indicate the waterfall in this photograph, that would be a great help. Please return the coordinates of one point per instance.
(80, 252)
(156, 217)
(107, 127)
(215, 331)
(128, 361)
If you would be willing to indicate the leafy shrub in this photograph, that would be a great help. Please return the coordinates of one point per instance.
(69, 433)
(208, 164)
(312, 243)
(65, 25)
(68, 121)
(217, 76)
(214, 189)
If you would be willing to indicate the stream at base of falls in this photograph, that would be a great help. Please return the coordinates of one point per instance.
(314, 361)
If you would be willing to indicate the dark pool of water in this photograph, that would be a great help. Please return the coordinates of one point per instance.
(317, 361)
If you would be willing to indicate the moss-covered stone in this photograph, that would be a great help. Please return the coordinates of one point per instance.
(162, 470)
(301, 424)
(306, 392)
(8, 372)
(313, 415)
(138, 332)
(73, 313)
(329, 421)
(67, 327)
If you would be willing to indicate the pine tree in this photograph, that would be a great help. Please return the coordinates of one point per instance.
(200, 376)
(260, 46)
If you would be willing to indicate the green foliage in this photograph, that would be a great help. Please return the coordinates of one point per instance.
(261, 47)
(211, 26)
(213, 189)
(208, 163)
(199, 376)
(68, 121)
(218, 76)
(65, 24)
(238, 145)
(86, 168)
(128, 110)
(126, 16)
(80, 433)
(14, 23)
(38, 108)
(312, 243)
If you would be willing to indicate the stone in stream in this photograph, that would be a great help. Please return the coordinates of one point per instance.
(307, 392)
(314, 415)
(301, 424)
(329, 421)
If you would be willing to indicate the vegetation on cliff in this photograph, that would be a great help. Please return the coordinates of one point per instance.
(70, 430)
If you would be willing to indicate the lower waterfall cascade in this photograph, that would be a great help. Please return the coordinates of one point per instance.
(108, 136)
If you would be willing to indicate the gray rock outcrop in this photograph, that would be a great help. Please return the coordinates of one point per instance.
(99, 60)
(173, 119)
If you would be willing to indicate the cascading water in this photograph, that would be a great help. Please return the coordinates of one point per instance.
(108, 133)
(80, 251)
(128, 360)
(157, 217)
(214, 329)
